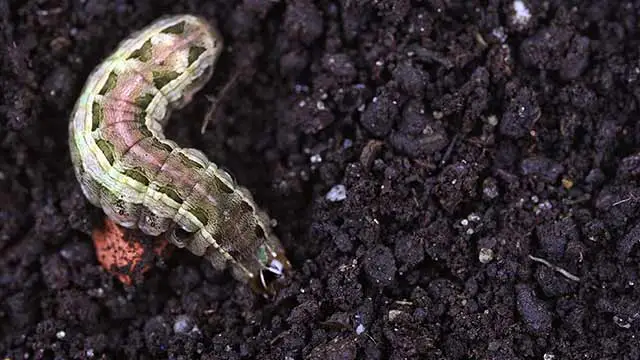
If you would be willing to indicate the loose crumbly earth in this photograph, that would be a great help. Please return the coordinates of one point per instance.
(489, 155)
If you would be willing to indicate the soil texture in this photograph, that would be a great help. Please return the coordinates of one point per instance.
(451, 179)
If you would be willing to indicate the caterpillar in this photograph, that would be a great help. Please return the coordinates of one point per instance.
(144, 181)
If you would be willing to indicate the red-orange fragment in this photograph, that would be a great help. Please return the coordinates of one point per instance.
(120, 252)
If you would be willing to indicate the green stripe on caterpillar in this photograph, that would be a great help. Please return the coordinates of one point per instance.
(142, 180)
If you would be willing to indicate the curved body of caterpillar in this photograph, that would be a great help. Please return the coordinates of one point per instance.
(126, 166)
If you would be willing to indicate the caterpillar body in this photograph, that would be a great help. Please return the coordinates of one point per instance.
(141, 179)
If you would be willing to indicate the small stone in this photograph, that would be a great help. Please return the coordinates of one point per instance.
(473, 217)
(360, 329)
(485, 256)
(393, 314)
(183, 324)
(522, 13)
(337, 193)
(61, 334)
(315, 159)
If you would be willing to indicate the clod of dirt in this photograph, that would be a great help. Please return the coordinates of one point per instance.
(542, 168)
(156, 334)
(342, 348)
(520, 114)
(456, 184)
(412, 79)
(418, 134)
(55, 272)
(628, 242)
(553, 237)
(533, 310)
(381, 113)
(303, 21)
(380, 266)
(630, 166)
(340, 66)
(409, 249)
(577, 58)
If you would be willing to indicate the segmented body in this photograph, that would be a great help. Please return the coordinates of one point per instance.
(126, 166)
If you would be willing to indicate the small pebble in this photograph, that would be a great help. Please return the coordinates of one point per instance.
(492, 120)
(393, 314)
(523, 15)
(61, 334)
(337, 193)
(183, 324)
(360, 329)
(485, 256)
(315, 159)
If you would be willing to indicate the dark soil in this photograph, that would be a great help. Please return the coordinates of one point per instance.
(490, 161)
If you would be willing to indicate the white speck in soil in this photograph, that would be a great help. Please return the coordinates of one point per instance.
(499, 34)
(485, 256)
(623, 323)
(337, 193)
(183, 324)
(523, 15)
(315, 159)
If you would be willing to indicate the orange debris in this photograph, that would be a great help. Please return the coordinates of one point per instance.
(120, 252)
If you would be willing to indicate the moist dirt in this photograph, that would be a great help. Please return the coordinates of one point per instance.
(451, 180)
